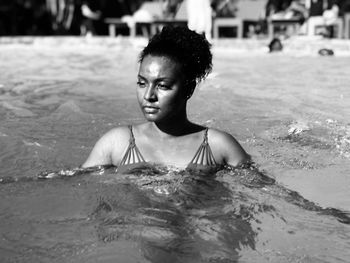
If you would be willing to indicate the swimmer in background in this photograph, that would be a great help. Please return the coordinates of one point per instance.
(275, 45)
(171, 65)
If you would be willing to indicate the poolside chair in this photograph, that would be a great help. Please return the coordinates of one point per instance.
(315, 22)
(290, 23)
(290, 20)
(153, 24)
(248, 11)
(319, 21)
(114, 24)
(141, 19)
(329, 18)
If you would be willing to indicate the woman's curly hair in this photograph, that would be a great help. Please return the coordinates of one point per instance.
(185, 46)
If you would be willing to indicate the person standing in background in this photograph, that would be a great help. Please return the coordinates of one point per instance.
(322, 13)
(224, 8)
(170, 8)
(316, 7)
(92, 17)
(200, 17)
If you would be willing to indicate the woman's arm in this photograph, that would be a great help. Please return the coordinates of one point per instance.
(102, 151)
(235, 154)
(227, 148)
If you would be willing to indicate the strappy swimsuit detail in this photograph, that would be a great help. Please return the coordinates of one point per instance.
(132, 154)
(132, 158)
(202, 160)
(204, 155)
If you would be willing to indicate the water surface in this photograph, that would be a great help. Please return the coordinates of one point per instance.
(290, 112)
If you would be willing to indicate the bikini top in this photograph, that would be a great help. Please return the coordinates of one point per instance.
(202, 161)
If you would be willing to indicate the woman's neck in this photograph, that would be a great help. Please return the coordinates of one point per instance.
(176, 127)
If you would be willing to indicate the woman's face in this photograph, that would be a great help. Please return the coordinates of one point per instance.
(161, 89)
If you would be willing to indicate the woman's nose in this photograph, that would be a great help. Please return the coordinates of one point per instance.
(150, 93)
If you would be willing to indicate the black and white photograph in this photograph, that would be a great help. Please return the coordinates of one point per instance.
(174, 131)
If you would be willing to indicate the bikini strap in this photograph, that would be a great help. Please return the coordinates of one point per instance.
(204, 155)
(132, 137)
(132, 154)
(205, 136)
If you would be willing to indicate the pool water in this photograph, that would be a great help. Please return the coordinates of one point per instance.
(290, 112)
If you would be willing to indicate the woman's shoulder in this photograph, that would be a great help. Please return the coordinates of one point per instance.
(122, 134)
(108, 146)
(219, 136)
(117, 133)
(226, 147)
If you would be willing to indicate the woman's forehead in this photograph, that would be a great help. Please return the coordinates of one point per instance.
(159, 65)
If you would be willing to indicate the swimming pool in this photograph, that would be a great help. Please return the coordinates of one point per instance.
(289, 111)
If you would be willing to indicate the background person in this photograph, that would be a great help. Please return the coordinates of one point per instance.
(199, 14)
(224, 8)
(322, 13)
(91, 17)
(170, 8)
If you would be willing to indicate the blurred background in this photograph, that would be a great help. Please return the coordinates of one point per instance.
(79, 17)
(58, 17)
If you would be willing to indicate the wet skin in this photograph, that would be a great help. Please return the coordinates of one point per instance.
(162, 93)
(167, 137)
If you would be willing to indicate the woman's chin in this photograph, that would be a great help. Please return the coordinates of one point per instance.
(151, 117)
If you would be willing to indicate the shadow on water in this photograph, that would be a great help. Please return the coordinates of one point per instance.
(177, 216)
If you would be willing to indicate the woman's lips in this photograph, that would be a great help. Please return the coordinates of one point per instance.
(150, 109)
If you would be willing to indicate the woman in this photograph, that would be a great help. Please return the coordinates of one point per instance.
(171, 65)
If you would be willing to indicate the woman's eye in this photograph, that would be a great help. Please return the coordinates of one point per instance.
(163, 86)
(141, 84)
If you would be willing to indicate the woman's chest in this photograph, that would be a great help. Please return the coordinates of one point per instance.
(179, 153)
